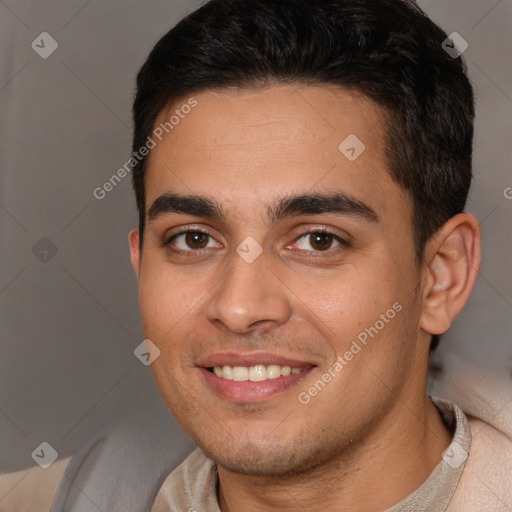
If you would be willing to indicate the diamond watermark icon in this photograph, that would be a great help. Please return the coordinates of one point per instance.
(146, 352)
(44, 249)
(455, 455)
(249, 250)
(45, 455)
(44, 45)
(454, 45)
(352, 147)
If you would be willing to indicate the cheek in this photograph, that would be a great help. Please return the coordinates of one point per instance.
(345, 301)
(363, 305)
(165, 300)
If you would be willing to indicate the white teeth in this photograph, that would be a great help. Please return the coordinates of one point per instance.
(240, 373)
(227, 372)
(273, 371)
(256, 373)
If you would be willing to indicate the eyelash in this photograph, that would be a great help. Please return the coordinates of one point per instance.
(313, 254)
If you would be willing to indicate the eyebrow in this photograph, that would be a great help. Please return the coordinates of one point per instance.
(288, 206)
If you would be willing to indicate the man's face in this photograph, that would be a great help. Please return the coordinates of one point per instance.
(255, 285)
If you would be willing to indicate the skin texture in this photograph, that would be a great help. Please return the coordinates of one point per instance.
(371, 436)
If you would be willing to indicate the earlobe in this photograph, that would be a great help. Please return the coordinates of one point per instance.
(454, 260)
(133, 239)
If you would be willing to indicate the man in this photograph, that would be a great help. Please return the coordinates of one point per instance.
(301, 169)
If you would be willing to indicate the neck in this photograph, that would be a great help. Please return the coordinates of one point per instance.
(388, 466)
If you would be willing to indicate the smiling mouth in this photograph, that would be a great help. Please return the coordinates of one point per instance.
(256, 373)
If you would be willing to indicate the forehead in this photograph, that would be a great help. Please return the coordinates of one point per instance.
(246, 147)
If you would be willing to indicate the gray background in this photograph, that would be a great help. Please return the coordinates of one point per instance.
(69, 324)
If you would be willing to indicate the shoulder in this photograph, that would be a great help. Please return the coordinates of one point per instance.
(485, 483)
(31, 489)
(488, 441)
(484, 396)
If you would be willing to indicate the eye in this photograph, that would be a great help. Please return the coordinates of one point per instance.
(320, 241)
(191, 241)
(194, 241)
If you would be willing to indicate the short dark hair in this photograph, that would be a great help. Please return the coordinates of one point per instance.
(388, 50)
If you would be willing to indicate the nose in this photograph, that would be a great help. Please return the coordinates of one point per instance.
(250, 297)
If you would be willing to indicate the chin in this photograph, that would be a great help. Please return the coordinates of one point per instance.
(251, 460)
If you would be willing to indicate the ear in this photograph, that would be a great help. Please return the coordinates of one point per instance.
(452, 260)
(133, 239)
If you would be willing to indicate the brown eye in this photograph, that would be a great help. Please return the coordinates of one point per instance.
(319, 241)
(190, 241)
(196, 240)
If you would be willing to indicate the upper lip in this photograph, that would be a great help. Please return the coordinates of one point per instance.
(251, 359)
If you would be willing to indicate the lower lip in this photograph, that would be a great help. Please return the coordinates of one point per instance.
(248, 391)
